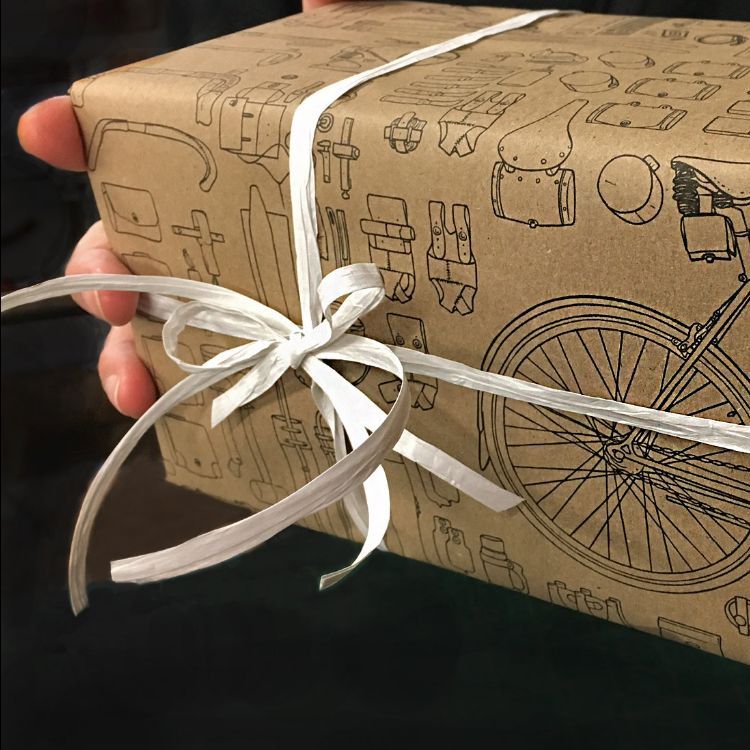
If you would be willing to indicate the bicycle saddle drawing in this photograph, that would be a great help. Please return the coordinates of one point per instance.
(713, 197)
(543, 144)
(731, 178)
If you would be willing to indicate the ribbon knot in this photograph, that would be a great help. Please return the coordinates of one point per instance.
(300, 344)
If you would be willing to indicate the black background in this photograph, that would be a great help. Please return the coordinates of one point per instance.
(250, 654)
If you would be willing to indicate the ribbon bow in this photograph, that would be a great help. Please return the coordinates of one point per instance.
(275, 344)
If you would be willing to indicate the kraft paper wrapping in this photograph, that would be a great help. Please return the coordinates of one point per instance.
(566, 204)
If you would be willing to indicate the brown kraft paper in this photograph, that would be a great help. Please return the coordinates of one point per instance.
(566, 204)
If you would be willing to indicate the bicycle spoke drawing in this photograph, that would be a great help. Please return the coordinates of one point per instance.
(652, 511)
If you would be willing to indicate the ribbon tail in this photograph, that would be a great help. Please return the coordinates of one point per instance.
(221, 544)
(102, 482)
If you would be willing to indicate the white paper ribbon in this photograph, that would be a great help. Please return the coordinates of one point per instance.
(276, 344)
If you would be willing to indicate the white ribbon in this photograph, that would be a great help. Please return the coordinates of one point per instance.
(275, 344)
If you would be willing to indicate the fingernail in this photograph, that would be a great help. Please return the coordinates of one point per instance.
(111, 386)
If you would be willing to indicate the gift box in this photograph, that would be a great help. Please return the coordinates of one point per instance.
(566, 204)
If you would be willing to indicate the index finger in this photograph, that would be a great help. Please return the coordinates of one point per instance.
(49, 130)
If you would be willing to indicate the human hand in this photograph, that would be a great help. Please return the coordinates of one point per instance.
(49, 131)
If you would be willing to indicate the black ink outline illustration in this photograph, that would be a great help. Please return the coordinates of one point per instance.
(584, 600)
(408, 331)
(265, 230)
(450, 546)
(635, 115)
(205, 97)
(451, 265)
(626, 60)
(713, 198)
(498, 567)
(238, 424)
(343, 152)
(740, 108)
(143, 264)
(673, 88)
(114, 125)
(733, 126)
(131, 211)
(589, 81)
(688, 635)
(737, 610)
(530, 175)
(190, 266)
(200, 231)
(153, 352)
(336, 235)
(556, 57)
(390, 237)
(631, 189)
(250, 127)
(272, 56)
(462, 126)
(592, 487)
(404, 133)
(708, 69)
(190, 447)
(353, 59)
(730, 40)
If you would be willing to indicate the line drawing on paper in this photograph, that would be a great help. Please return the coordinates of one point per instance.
(143, 264)
(353, 59)
(409, 332)
(272, 56)
(131, 211)
(450, 546)
(634, 506)
(636, 115)
(530, 177)
(630, 188)
(205, 97)
(462, 126)
(153, 348)
(708, 69)
(200, 231)
(390, 237)
(741, 108)
(689, 635)
(404, 133)
(557, 57)
(343, 152)
(673, 88)
(583, 600)
(238, 425)
(498, 567)
(451, 265)
(589, 81)
(190, 447)
(735, 126)
(713, 198)
(190, 266)
(113, 125)
(626, 60)
(250, 127)
(264, 230)
(302, 463)
(737, 611)
(731, 40)
(336, 235)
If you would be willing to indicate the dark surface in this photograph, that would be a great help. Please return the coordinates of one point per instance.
(250, 654)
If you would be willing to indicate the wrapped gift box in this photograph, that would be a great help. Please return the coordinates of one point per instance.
(567, 204)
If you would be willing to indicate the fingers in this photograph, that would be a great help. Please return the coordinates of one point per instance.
(93, 254)
(312, 4)
(49, 131)
(125, 379)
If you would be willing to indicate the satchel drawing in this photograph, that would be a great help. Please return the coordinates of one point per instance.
(131, 211)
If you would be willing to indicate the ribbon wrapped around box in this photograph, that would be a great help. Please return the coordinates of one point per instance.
(617, 435)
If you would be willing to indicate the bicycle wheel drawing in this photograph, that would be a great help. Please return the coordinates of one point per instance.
(668, 516)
